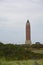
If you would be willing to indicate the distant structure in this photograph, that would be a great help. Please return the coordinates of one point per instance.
(28, 33)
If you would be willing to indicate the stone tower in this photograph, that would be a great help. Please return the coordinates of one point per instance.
(28, 33)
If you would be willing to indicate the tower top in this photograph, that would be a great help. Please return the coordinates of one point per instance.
(27, 21)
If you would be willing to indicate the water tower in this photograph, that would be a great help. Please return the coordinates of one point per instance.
(28, 33)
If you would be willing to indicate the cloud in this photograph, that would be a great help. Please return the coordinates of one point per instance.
(37, 1)
(13, 17)
(23, 1)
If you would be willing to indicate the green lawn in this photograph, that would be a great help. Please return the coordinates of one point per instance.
(23, 62)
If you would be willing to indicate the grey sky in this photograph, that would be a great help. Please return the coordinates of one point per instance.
(13, 17)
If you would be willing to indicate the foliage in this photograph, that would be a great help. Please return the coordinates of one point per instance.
(18, 52)
(37, 46)
(22, 62)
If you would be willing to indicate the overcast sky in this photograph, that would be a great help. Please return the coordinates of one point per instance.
(13, 18)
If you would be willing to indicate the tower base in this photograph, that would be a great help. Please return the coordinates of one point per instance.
(28, 42)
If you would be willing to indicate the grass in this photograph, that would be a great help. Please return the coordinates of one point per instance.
(37, 50)
(9, 48)
(23, 62)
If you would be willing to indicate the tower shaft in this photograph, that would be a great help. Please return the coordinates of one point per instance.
(28, 33)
